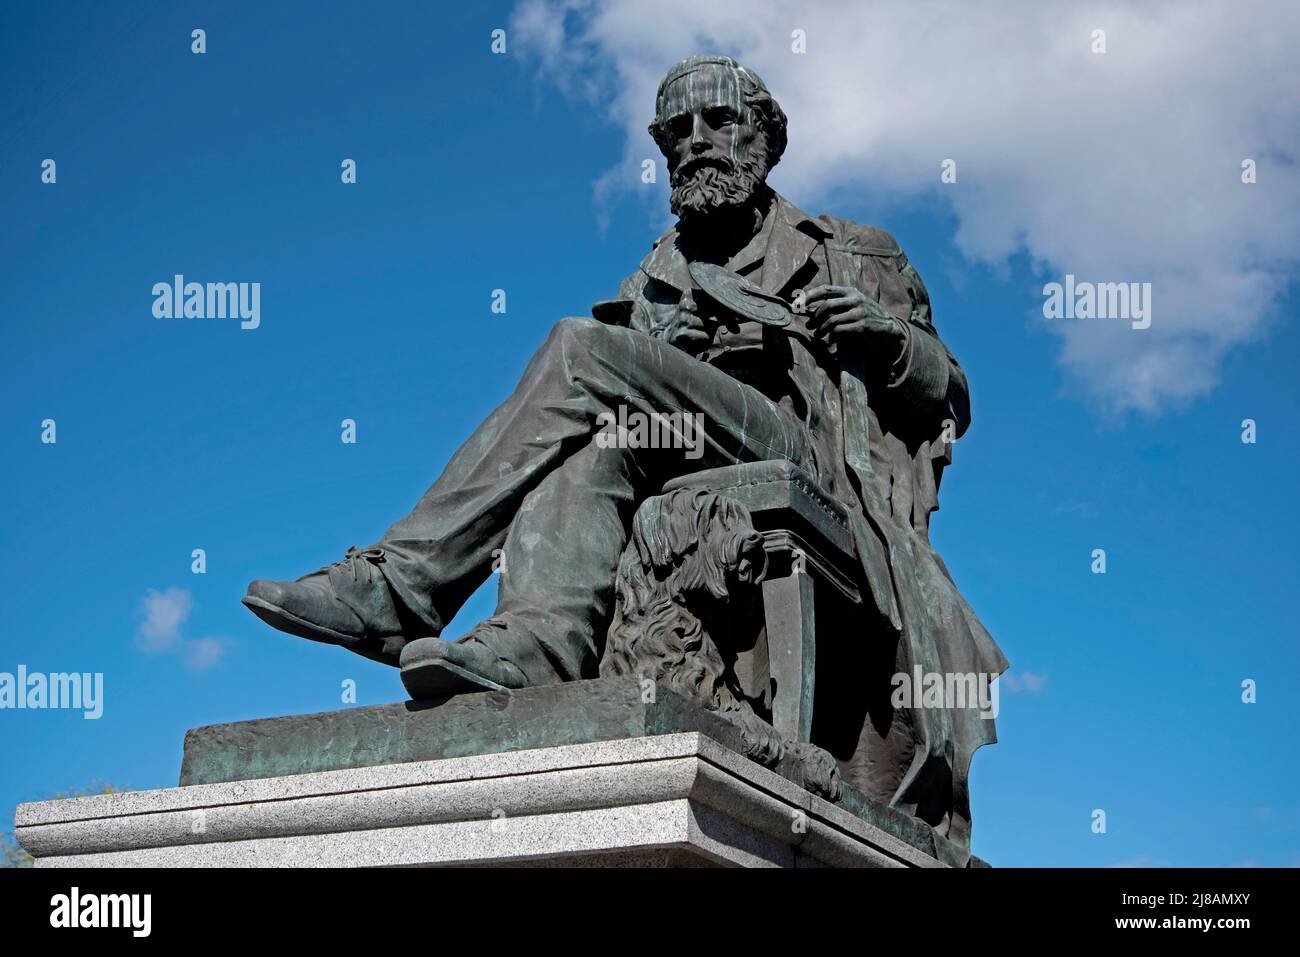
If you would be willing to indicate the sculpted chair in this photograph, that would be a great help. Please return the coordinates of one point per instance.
(720, 594)
(811, 565)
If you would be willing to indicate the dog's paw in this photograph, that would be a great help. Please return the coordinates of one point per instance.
(821, 772)
(762, 743)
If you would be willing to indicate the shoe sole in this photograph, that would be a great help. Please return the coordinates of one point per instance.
(281, 620)
(439, 678)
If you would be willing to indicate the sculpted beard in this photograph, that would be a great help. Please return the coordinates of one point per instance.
(709, 183)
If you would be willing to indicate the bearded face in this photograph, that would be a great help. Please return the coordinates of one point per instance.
(716, 151)
(707, 183)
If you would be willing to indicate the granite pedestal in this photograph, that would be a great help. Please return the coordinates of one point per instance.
(603, 772)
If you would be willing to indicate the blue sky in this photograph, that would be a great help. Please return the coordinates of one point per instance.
(478, 172)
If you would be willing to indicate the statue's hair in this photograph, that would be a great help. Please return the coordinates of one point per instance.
(692, 555)
(770, 117)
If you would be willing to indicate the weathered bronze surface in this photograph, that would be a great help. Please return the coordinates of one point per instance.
(765, 550)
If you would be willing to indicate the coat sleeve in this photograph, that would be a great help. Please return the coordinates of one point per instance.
(631, 307)
(924, 384)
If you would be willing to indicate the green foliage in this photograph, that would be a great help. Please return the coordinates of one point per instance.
(12, 853)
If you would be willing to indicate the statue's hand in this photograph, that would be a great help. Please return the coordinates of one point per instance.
(846, 315)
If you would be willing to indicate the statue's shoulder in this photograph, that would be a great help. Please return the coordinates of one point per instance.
(890, 264)
(668, 236)
(662, 251)
(860, 238)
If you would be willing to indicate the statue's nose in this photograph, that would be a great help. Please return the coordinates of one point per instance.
(699, 142)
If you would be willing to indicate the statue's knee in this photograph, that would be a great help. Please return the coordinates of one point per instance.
(579, 334)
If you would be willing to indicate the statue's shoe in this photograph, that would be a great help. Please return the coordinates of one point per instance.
(434, 668)
(347, 603)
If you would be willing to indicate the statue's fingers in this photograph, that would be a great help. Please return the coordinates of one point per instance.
(878, 310)
(825, 292)
(842, 305)
(882, 324)
(832, 324)
(818, 311)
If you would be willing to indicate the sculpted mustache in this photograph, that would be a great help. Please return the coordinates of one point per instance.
(721, 163)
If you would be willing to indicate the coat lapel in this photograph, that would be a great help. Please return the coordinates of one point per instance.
(666, 264)
(795, 236)
(792, 242)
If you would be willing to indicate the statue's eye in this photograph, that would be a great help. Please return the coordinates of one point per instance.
(680, 126)
(719, 116)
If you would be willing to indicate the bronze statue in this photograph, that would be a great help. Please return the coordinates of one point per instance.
(787, 337)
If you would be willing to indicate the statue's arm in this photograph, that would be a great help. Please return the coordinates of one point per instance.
(656, 309)
(926, 377)
(630, 308)
(921, 381)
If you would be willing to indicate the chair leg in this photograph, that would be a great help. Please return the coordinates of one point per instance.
(792, 652)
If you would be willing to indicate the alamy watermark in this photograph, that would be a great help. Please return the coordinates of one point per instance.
(64, 691)
(74, 910)
(1098, 300)
(933, 689)
(214, 300)
(626, 429)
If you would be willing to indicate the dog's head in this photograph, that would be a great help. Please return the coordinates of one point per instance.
(700, 546)
(686, 585)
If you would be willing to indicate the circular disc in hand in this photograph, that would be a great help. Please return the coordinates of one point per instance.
(740, 295)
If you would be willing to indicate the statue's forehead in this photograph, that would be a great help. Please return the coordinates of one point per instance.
(711, 84)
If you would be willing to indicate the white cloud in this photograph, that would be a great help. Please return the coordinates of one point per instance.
(1123, 166)
(1013, 682)
(164, 613)
(162, 616)
(203, 653)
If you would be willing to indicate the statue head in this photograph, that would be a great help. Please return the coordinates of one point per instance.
(721, 132)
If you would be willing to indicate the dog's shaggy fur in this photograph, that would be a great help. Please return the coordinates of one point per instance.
(686, 591)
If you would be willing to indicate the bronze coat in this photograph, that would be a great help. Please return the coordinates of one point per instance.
(878, 428)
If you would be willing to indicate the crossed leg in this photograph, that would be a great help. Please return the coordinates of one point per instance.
(534, 493)
(533, 482)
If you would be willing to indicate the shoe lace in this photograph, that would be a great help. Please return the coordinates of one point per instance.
(374, 555)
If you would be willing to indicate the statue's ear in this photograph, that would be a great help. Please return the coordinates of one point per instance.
(647, 533)
(746, 558)
(665, 528)
(657, 134)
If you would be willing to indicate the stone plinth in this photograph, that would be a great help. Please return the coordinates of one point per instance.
(588, 773)
(674, 799)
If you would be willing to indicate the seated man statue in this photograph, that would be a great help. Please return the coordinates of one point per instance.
(857, 390)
